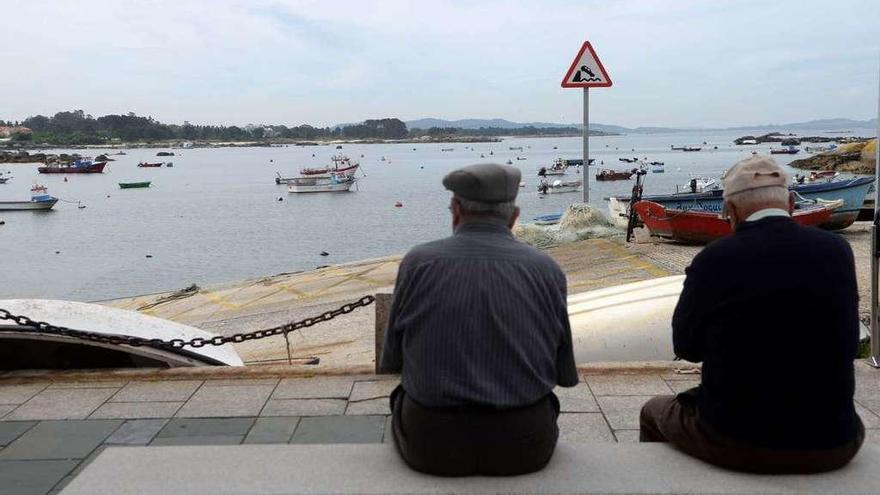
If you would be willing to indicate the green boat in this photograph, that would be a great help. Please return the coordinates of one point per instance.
(133, 185)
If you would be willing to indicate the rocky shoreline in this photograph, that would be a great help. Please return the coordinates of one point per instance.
(856, 158)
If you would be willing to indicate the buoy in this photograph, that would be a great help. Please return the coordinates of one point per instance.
(149, 256)
(108, 195)
(57, 252)
(313, 155)
(65, 179)
(325, 253)
(271, 161)
(422, 166)
(2, 222)
(398, 205)
(280, 198)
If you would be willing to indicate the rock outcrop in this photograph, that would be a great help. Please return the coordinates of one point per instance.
(856, 158)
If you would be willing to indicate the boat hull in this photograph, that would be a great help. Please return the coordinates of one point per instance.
(27, 205)
(134, 185)
(316, 188)
(701, 227)
(851, 191)
(95, 168)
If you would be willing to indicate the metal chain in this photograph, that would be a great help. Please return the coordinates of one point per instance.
(43, 327)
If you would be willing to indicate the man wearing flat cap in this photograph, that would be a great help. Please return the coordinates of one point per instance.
(479, 331)
(772, 313)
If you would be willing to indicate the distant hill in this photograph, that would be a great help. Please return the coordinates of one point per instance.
(813, 125)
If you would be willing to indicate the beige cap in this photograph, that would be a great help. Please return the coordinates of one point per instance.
(486, 182)
(754, 173)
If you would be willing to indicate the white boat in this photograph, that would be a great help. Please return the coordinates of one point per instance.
(558, 186)
(40, 200)
(34, 349)
(334, 183)
(630, 322)
(557, 168)
(698, 185)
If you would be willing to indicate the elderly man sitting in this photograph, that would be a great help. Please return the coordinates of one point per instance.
(772, 312)
(479, 331)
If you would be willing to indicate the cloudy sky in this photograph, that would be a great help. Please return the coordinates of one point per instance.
(673, 62)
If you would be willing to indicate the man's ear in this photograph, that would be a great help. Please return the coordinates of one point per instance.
(731, 213)
(513, 218)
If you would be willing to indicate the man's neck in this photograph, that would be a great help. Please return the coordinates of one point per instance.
(767, 212)
(482, 223)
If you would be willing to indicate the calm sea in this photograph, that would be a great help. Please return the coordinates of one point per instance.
(215, 216)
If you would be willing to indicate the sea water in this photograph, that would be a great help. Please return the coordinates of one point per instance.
(218, 216)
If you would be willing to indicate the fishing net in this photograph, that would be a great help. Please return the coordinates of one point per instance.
(579, 221)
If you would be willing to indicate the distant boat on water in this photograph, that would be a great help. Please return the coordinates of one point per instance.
(79, 166)
(685, 148)
(165, 153)
(40, 200)
(788, 150)
(334, 183)
(342, 165)
(134, 185)
(149, 165)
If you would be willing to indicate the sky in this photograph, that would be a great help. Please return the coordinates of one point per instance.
(681, 63)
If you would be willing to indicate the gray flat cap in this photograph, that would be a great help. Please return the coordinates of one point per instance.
(486, 182)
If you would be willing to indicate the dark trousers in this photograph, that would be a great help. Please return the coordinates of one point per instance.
(674, 419)
(471, 441)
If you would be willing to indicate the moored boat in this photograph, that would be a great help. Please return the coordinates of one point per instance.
(558, 167)
(628, 160)
(607, 174)
(150, 165)
(549, 219)
(4, 179)
(788, 150)
(685, 148)
(342, 165)
(79, 166)
(695, 226)
(40, 200)
(334, 183)
(558, 186)
(852, 191)
(134, 185)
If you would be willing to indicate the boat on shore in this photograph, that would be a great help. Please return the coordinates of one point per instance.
(334, 183)
(150, 165)
(40, 200)
(549, 219)
(607, 174)
(700, 227)
(852, 191)
(78, 166)
(134, 185)
(558, 186)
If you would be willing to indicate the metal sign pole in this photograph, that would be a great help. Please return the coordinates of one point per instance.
(875, 248)
(586, 165)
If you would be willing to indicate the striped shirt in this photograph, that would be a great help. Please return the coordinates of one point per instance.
(479, 318)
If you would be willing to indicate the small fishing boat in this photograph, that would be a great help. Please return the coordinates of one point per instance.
(788, 150)
(521, 158)
(820, 149)
(40, 200)
(150, 165)
(685, 148)
(447, 149)
(515, 148)
(628, 160)
(699, 184)
(657, 167)
(4, 179)
(79, 166)
(605, 175)
(558, 186)
(134, 185)
(700, 227)
(165, 153)
(334, 183)
(557, 168)
(169, 164)
(551, 219)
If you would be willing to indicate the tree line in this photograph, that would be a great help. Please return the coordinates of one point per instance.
(79, 128)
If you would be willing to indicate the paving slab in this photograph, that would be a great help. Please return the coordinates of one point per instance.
(340, 429)
(205, 440)
(136, 432)
(73, 439)
(164, 391)
(90, 384)
(627, 384)
(331, 387)
(272, 430)
(32, 477)
(627, 436)
(679, 386)
(576, 399)
(370, 406)
(869, 418)
(242, 381)
(587, 468)
(583, 427)
(62, 404)
(10, 430)
(19, 394)
(195, 427)
(622, 413)
(388, 435)
(373, 389)
(6, 409)
(136, 410)
(225, 401)
(304, 407)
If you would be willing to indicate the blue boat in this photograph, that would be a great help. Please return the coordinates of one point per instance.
(851, 191)
(549, 219)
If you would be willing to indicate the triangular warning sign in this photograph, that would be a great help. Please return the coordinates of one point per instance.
(586, 71)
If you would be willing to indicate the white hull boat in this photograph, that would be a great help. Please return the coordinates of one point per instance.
(27, 205)
(320, 184)
(33, 349)
(630, 322)
(558, 187)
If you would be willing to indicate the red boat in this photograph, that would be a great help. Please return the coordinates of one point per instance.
(614, 175)
(151, 165)
(701, 227)
(77, 167)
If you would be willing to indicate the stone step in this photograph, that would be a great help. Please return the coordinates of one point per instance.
(377, 469)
